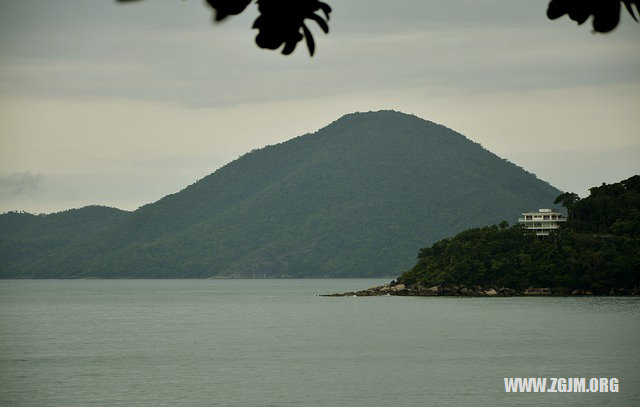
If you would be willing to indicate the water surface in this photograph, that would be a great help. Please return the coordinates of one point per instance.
(275, 343)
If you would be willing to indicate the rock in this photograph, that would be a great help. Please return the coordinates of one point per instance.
(429, 291)
(419, 290)
(537, 291)
(345, 294)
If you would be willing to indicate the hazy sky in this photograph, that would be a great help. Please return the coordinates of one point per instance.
(121, 104)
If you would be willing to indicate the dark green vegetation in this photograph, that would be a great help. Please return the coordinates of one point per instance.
(357, 198)
(598, 249)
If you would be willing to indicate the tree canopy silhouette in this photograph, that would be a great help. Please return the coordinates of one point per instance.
(282, 22)
(606, 13)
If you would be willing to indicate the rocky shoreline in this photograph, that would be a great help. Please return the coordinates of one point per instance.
(394, 288)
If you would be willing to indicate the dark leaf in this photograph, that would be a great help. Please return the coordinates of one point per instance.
(557, 9)
(628, 4)
(289, 47)
(309, 38)
(320, 22)
(225, 8)
(607, 19)
(326, 9)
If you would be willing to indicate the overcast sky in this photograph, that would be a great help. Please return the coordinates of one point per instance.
(121, 104)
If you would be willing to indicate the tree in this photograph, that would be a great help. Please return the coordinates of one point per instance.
(606, 13)
(282, 22)
(568, 200)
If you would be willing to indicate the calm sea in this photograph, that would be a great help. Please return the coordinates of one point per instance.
(275, 343)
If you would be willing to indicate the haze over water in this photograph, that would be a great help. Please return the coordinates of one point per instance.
(275, 343)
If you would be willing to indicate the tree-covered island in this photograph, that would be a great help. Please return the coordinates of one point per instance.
(597, 251)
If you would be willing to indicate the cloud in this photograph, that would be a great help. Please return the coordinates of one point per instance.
(119, 104)
(18, 184)
(171, 53)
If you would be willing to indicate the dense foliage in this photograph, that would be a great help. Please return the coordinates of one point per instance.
(357, 198)
(598, 249)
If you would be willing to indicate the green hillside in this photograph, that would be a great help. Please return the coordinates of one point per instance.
(357, 198)
(597, 249)
(55, 245)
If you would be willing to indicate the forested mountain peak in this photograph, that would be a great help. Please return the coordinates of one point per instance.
(355, 198)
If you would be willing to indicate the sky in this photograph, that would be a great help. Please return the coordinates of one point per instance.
(122, 104)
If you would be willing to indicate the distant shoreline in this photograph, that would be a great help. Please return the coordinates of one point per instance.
(417, 290)
(197, 278)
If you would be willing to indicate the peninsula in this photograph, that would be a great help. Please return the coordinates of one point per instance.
(597, 252)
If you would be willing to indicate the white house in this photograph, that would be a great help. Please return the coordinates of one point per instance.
(543, 221)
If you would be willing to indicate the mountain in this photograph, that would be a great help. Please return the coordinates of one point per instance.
(358, 197)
